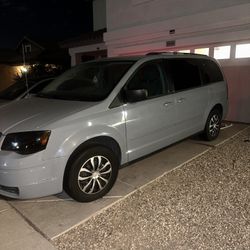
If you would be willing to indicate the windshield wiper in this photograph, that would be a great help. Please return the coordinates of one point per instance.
(42, 95)
(59, 97)
(68, 97)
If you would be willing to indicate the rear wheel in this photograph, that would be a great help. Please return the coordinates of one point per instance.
(92, 174)
(213, 124)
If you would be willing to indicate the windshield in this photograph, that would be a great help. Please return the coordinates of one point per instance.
(92, 81)
(19, 88)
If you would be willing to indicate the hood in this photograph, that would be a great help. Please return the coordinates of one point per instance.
(4, 102)
(34, 113)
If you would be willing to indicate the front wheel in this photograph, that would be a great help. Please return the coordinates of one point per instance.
(213, 124)
(92, 174)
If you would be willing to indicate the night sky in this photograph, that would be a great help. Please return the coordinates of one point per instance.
(43, 20)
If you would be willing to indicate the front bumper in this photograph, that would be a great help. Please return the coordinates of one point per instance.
(26, 177)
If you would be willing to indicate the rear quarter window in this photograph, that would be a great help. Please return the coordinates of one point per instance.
(210, 71)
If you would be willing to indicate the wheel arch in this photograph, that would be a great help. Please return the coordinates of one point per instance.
(105, 141)
(219, 107)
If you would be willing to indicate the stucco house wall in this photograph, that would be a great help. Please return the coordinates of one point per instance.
(99, 14)
(138, 26)
(91, 46)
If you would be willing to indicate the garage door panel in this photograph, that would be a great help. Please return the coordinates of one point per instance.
(238, 78)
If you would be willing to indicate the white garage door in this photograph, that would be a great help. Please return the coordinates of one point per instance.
(238, 77)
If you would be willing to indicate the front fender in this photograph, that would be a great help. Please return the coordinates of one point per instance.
(74, 141)
(65, 140)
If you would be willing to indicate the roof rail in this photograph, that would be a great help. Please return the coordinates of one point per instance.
(172, 53)
(154, 53)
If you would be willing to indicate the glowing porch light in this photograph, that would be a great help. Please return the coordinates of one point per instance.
(24, 69)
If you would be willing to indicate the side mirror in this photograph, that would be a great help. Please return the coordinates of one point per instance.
(136, 95)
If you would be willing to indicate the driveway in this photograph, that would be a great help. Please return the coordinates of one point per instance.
(178, 198)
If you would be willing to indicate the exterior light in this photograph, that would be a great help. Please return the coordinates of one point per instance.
(24, 69)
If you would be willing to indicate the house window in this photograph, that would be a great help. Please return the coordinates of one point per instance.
(184, 51)
(202, 51)
(242, 51)
(27, 48)
(222, 52)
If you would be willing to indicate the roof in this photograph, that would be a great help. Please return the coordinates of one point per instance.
(174, 53)
(49, 52)
(154, 55)
(41, 43)
(85, 39)
(25, 38)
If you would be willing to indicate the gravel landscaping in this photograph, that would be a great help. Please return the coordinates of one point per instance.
(205, 204)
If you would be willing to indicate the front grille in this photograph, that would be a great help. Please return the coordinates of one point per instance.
(13, 190)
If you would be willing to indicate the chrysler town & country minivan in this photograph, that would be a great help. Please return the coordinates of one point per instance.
(99, 115)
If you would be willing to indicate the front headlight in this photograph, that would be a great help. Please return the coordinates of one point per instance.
(26, 142)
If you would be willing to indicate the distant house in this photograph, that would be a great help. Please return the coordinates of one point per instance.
(42, 52)
(86, 47)
(28, 53)
(91, 45)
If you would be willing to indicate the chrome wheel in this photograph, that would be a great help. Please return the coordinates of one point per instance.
(94, 174)
(214, 125)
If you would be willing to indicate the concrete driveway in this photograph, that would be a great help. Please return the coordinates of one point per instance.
(36, 224)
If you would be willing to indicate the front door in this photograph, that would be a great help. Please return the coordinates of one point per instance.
(149, 123)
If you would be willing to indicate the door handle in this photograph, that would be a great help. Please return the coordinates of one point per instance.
(167, 103)
(181, 100)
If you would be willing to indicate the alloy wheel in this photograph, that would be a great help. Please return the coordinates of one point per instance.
(214, 125)
(94, 174)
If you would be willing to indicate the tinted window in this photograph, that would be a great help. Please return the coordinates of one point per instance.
(148, 77)
(92, 81)
(184, 73)
(210, 71)
(41, 85)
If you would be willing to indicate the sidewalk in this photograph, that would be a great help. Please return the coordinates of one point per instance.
(16, 233)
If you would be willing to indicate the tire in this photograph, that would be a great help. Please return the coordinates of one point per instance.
(213, 124)
(92, 174)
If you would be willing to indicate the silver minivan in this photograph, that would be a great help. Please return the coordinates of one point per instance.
(77, 132)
